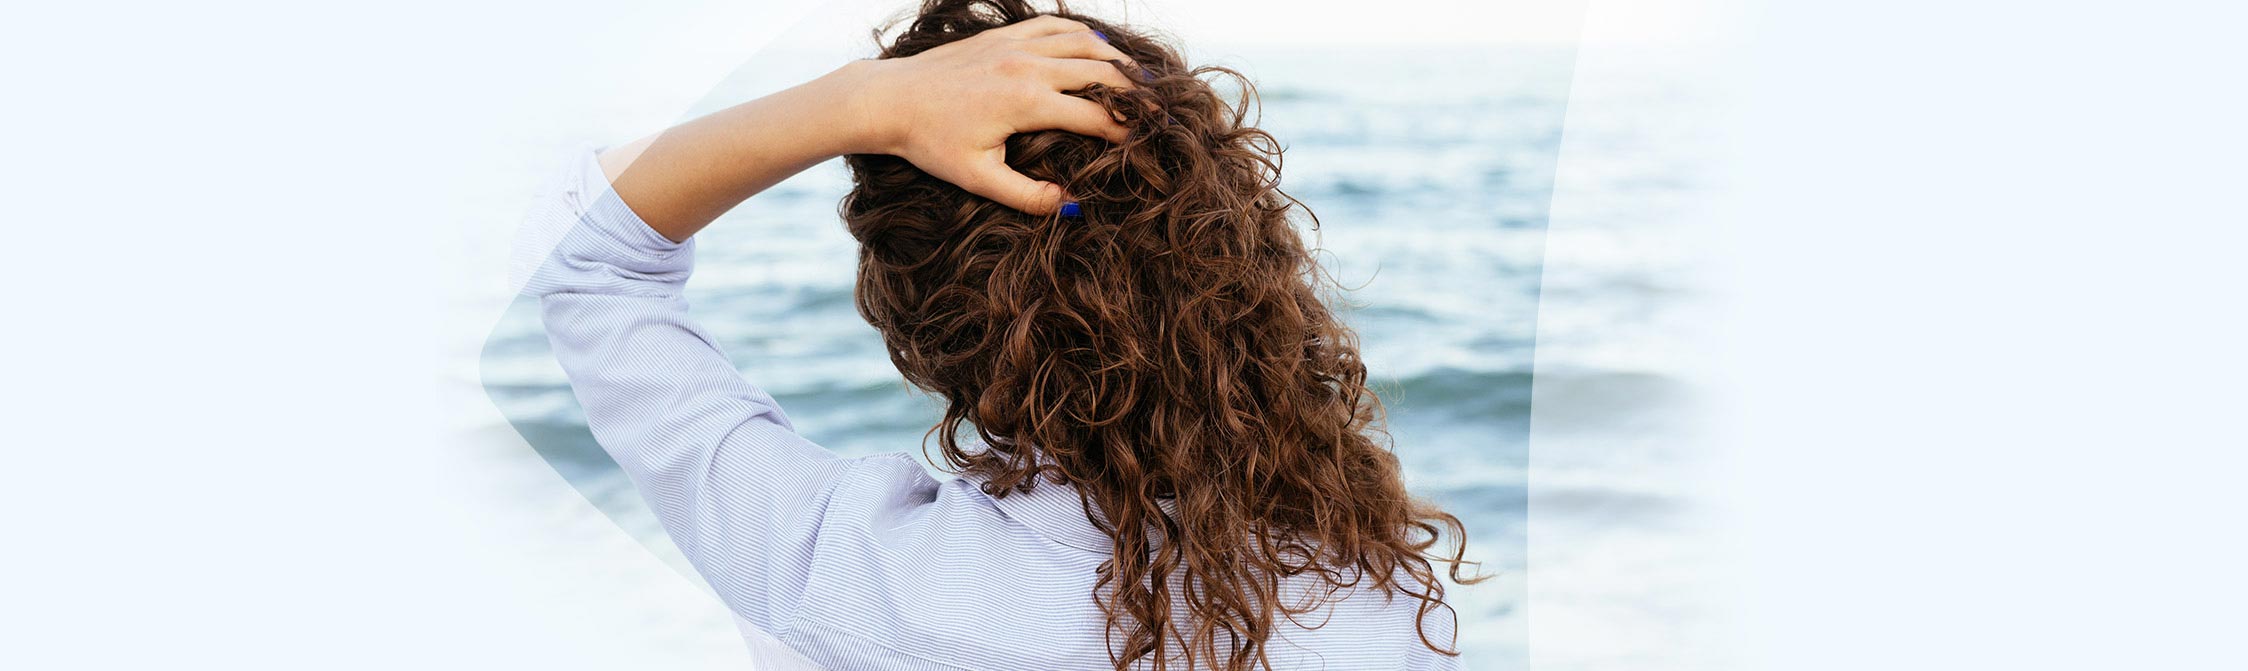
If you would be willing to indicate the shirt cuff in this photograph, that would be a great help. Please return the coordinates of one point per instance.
(598, 244)
(604, 211)
(610, 210)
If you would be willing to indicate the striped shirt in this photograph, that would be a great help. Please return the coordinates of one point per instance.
(855, 563)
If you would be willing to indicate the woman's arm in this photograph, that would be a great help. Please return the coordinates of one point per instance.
(741, 493)
(949, 110)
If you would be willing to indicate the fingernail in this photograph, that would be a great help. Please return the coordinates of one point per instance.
(1071, 210)
(1144, 74)
(1102, 35)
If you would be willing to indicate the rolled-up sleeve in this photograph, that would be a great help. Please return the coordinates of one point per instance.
(734, 485)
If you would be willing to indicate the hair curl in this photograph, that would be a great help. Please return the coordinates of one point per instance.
(1170, 343)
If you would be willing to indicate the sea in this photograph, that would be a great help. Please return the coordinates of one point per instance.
(1533, 395)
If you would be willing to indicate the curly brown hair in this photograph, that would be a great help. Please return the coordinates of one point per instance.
(1168, 346)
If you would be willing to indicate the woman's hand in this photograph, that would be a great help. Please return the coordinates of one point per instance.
(950, 109)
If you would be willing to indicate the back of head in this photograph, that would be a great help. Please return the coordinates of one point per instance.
(1168, 344)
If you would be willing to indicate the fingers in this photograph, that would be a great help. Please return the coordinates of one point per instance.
(991, 178)
(1076, 74)
(1080, 116)
(1081, 43)
(1038, 27)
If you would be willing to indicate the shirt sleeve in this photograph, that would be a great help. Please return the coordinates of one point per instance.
(738, 490)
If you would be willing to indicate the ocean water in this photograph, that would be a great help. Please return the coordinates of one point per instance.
(1433, 174)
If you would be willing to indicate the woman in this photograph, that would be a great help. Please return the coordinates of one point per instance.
(1165, 444)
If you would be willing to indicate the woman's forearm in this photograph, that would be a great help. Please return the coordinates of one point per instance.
(680, 180)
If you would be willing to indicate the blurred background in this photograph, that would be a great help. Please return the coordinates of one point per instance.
(1429, 153)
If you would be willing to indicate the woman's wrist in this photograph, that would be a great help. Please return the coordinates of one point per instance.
(861, 94)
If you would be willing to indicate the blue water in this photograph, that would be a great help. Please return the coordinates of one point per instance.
(1432, 173)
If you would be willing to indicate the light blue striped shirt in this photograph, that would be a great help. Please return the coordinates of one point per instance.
(856, 563)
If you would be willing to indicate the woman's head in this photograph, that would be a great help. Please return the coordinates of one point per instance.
(1169, 343)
